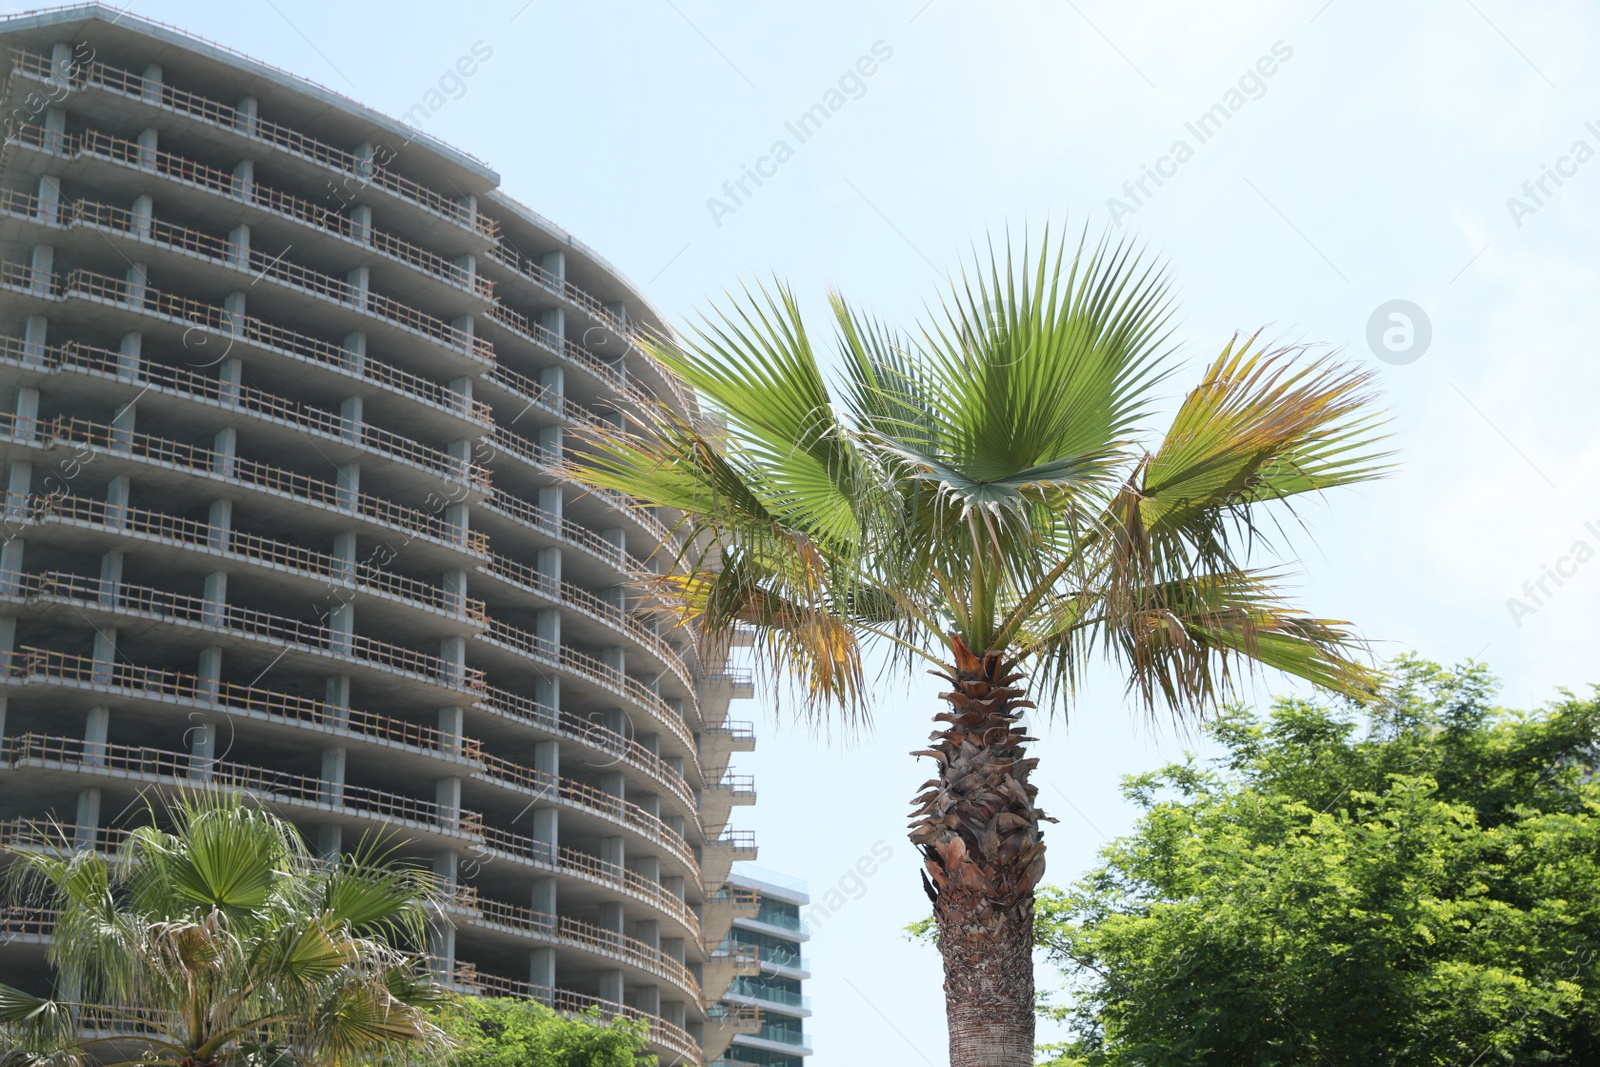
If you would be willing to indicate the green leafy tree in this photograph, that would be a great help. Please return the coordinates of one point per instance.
(1418, 886)
(501, 1032)
(983, 496)
(223, 942)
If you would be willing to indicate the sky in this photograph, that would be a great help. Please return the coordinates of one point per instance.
(1371, 153)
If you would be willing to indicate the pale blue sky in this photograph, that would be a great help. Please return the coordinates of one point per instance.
(1374, 163)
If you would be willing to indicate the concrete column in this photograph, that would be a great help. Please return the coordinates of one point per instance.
(11, 569)
(552, 501)
(88, 821)
(230, 373)
(105, 654)
(542, 973)
(550, 445)
(454, 583)
(138, 277)
(96, 730)
(237, 252)
(350, 418)
(465, 331)
(462, 388)
(333, 764)
(148, 147)
(674, 885)
(648, 931)
(547, 631)
(612, 918)
(555, 263)
(553, 322)
(330, 840)
(209, 672)
(111, 577)
(361, 217)
(612, 783)
(543, 898)
(122, 427)
(216, 598)
(143, 210)
(225, 452)
(130, 350)
(27, 424)
(673, 1011)
(19, 483)
(673, 948)
(55, 129)
(234, 306)
(453, 650)
(648, 868)
(547, 830)
(554, 382)
(457, 521)
(244, 180)
(117, 491)
(347, 486)
(616, 657)
(355, 348)
(41, 269)
(49, 196)
(151, 89)
(336, 695)
(447, 794)
(34, 330)
(611, 986)
(468, 265)
(221, 523)
(246, 114)
(341, 624)
(612, 851)
(202, 750)
(647, 998)
(358, 283)
(452, 724)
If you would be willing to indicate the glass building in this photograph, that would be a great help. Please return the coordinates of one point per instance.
(771, 935)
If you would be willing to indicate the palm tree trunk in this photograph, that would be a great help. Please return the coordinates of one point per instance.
(983, 853)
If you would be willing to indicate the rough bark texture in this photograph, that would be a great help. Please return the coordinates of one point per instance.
(983, 854)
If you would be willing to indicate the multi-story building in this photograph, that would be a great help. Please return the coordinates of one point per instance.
(774, 928)
(286, 391)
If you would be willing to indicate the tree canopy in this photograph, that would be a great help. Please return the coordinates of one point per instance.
(1417, 883)
(501, 1032)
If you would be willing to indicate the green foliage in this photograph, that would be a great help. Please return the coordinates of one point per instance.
(1414, 885)
(502, 1032)
(223, 940)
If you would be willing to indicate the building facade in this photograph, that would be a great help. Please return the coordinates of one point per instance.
(775, 930)
(285, 393)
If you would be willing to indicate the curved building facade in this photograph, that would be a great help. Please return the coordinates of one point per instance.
(286, 391)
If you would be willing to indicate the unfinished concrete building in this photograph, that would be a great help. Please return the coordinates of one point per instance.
(286, 386)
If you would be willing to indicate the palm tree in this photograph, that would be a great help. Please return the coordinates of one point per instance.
(986, 495)
(223, 941)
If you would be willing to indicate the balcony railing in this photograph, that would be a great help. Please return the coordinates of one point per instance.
(74, 753)
(148, 300)
(124, 520)
(29, 664)
(225, 253)
(245, 622)
(577, 933)
(525, 709)
(207, 463)
(575, 863)
(125, 153)
(564, 529)
(132, 86)
(580, 599)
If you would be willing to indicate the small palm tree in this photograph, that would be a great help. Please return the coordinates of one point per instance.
(223, 941)
(987, 496)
